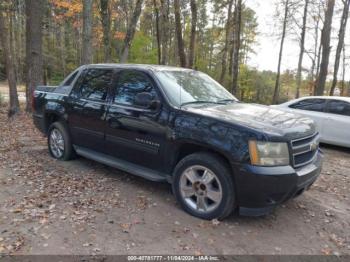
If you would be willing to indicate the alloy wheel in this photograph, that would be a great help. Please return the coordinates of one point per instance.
(56, 143)
(200, 189)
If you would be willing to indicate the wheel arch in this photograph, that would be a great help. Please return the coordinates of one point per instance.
(51, 117)
(189, 147)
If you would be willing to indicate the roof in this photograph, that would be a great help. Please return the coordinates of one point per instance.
(344, 98)
(140, 66)
(341, 98)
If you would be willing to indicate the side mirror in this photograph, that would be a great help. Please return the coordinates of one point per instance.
(145, 99)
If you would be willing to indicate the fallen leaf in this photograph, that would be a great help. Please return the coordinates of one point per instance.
(215, 222)
(125, 227)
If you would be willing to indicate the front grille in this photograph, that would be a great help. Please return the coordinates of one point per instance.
(304, 150)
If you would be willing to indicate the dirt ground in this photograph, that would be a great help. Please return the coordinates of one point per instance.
(82, 207)
(4, 91)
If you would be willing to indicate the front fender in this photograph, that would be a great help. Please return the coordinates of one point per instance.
(229, 140)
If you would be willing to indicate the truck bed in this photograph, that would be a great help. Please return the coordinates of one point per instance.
(54, 89)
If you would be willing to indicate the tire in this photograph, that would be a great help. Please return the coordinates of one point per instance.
(60, 131)
(204, 186)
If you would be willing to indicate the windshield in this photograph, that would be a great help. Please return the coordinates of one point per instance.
(188, 86)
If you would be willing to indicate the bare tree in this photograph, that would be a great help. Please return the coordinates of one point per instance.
(228, 31)
(302, 48)
(284, 26)
(193, 33)
(164, 18)
(87, 32)
(34, 54)
(341, 36)
(316, 50)
(131, 30)
(106, 27)
(343, 73)
(325, 42)
(319, 52)
(159, 50)
(9, 63)
(178, 26)
(236, 45)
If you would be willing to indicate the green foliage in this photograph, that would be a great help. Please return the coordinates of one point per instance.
(258, 86)
(141, 50)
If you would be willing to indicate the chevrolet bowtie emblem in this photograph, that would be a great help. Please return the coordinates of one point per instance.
(313, 145)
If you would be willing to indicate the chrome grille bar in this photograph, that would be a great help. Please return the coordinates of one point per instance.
(304, 150)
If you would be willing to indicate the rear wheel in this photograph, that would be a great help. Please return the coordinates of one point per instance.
(204, 186)
(59, 142)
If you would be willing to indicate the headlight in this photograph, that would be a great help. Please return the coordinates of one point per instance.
(268, 153)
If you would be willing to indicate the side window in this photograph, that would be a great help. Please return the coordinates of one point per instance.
(339, 107)
(93, 84)
(317, 105)
(131, 83)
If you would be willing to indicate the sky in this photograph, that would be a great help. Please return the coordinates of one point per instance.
(267, 49)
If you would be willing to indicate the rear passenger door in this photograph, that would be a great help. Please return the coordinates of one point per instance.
(338, 122)
(87, 107)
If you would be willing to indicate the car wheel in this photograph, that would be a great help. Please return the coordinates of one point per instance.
(203, 185)
(59, 142)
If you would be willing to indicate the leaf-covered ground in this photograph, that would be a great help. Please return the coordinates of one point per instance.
(82, 207)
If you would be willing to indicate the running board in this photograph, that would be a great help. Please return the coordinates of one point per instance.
(126, 166)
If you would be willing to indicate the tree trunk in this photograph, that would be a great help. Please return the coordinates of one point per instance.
(159, 51)
(164, 18)
(211, 45)
(178, 27)
(10, 66)
(302, 49)
(315, 59)
(317, 67)
(343, 73)
(62, 48)
(87, 32)
(237, 45)
(341, 36)
(131, 30)
(227, 38)
(325, 42)
(106, 27)
(193, 33)
(34, 53)
(277, 83)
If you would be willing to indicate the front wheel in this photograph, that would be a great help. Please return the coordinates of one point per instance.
(59, 142)
(204, 186)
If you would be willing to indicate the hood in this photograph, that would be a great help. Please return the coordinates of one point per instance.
(262, 118)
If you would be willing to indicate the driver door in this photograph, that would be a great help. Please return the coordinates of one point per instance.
(134, 133)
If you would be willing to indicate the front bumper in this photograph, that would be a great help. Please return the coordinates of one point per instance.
(260, 189)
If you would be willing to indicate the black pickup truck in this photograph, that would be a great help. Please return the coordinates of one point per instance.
(179, 125)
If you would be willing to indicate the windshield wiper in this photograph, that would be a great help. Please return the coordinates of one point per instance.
(227, 100)
(200, 102)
